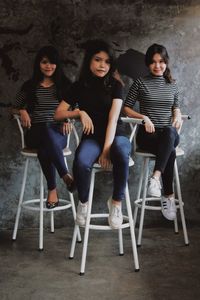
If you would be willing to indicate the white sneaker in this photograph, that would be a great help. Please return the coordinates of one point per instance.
(168, 208)
(115, 218)
(154, 188)
(81, 213)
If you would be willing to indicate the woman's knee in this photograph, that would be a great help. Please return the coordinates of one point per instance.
(121, 148)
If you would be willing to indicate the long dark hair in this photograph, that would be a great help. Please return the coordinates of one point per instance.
(93, 47)
(154, 49)
(59, 79)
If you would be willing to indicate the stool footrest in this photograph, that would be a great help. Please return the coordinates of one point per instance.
(29, 205)
(106, 227)
(138, 203)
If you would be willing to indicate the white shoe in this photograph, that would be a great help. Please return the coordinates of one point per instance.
(168, 208)
(81, 213)
(115, 218)
(154, 188)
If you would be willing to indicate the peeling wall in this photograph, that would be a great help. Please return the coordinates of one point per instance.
(25, 26)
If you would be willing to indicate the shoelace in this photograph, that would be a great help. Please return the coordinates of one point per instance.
(164, 204)
(156, 182)
(115, 211)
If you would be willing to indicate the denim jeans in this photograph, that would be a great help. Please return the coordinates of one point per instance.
(50, 142)
(87, 154)
(162, 143)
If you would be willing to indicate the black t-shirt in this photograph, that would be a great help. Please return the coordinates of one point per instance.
(96, 100)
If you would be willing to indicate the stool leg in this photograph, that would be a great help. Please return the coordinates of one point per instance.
(139, 192)
(132, 230)
(181, 204)
(41, 211)
(20, 200)
(175, 226)
(87, 225)
(146, 167)
(74, 238)
(74, 215)
(52, 222)
(121, 246)
(71, 197)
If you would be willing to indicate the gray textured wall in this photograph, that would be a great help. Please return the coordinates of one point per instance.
(25, 26)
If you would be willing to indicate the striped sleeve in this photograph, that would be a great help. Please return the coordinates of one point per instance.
(133, 93)
(176, 97)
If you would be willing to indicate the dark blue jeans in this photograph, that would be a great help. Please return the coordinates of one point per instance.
(87, 154)
(50, 142)
(162, 143)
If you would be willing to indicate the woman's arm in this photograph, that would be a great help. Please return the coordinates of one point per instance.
(149, 126)
(176, 118)
(62, 112)
(104, 159)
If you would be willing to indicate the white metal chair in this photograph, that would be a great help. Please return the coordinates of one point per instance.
(127, 222)
(149, 203)
(38, 204)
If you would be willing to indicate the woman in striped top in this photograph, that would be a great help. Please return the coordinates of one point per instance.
(36, 103)
(157, 94)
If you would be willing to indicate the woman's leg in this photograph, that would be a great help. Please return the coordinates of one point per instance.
(86, 155)
(49, 141)
(119, 154)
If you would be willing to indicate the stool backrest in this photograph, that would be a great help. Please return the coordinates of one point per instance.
(133, 122)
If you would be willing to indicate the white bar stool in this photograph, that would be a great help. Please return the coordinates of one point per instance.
(127, 223)
(39, 204)
(149, 203)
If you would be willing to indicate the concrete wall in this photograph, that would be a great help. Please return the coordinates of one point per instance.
(25, 26)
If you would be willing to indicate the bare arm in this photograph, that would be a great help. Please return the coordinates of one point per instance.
(149, 126)
(176, 118)
(24, 117)
(62, 112)
(104, 159)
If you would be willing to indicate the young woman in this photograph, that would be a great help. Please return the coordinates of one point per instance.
(36, 103)
(159, 108)
(99, 98)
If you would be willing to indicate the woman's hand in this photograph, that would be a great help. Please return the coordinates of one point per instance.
(87, 123)
(25, 118)
(149, 126)
(176, 122)
(104, 160)
(66, 128)
(177, 118)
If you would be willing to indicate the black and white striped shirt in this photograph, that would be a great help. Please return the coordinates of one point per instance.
(156, 97)
(45, 106)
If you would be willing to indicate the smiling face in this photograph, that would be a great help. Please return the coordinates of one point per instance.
(47, 68)
(100, 64)
(158, 65)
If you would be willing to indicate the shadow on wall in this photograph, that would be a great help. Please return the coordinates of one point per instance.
(132, 64)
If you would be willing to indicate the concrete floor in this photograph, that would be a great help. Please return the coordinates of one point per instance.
(168, 269)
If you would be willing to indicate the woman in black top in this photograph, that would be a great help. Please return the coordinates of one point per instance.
(99, 99)
(157, 94)
(36, 103)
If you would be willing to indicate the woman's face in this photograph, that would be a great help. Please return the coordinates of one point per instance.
(46, 67)
(158, 66)
(100, 64)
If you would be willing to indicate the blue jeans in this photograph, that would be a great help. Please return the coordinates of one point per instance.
(162, 143)
(87, 154)
(50, 142)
